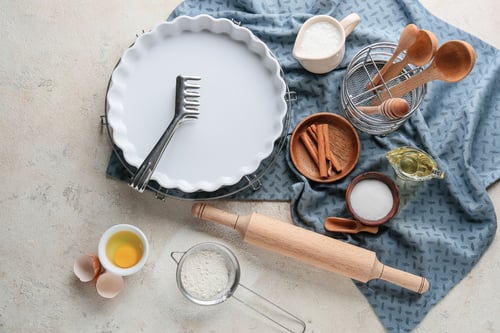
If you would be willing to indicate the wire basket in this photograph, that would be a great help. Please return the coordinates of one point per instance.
(356, 89)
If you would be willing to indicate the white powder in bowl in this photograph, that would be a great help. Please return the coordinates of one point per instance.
(320, 40)
(205, 274)
(371, 199)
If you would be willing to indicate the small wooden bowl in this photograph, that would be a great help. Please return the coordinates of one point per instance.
(380, 177)
(344, 142)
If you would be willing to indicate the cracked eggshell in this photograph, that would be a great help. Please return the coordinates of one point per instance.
(87, 267)
(109, 285)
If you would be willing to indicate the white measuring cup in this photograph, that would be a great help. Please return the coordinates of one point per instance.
(209, 273)
(320, 43)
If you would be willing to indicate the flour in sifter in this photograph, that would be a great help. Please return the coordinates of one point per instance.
(204, 274)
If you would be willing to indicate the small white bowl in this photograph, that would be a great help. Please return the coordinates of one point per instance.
(108, 264)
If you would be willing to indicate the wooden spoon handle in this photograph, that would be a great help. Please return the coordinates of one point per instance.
(348, 226)
(370, 110)
(395, 69)
(407, 37)
(408, 85)
(377, 79)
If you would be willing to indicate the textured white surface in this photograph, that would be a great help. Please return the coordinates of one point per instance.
(55, 201)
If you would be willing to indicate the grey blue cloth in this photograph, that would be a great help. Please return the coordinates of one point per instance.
(443, 226)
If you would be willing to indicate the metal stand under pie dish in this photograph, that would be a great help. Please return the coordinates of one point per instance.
(247, 181)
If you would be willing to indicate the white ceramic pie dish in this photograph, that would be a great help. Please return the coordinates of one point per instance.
(242, 102)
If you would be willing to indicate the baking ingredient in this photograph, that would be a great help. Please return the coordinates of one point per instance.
(124, 249)
(413, 164)
(205, 274)
(320, 40)
(126, 256)
(331, 158)
(310, 138)
(323, 147)
(371, 199)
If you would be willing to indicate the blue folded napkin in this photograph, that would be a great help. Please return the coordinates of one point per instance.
(443, 226)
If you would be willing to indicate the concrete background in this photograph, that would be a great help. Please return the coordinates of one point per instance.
(55, 201)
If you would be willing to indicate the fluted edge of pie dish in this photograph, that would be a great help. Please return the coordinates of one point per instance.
(192, 24)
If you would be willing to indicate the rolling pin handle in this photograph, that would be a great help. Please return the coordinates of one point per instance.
(403, 279)
(212, 214)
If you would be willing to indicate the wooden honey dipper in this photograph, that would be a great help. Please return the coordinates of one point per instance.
(312, 248)
(392, 108)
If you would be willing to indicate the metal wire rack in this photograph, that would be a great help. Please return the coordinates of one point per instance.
(357, 90)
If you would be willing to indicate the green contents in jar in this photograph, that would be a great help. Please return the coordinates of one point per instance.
(413, 164)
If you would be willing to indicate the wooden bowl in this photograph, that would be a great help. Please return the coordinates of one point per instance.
(372, 200)
(344, 143)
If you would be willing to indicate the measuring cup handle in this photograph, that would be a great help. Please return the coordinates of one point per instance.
(350, 22)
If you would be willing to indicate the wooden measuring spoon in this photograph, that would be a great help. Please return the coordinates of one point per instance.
(453, 61)
(348, 226)
(392, 108)
(407, 38)
(418, 54)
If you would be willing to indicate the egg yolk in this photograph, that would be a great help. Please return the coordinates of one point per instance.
(126, 256)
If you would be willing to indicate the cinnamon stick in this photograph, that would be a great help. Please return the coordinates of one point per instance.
(322, 149)
(310, 146)
(313, 130)
(326, 137)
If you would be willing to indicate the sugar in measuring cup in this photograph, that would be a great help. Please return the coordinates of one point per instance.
(320, 43)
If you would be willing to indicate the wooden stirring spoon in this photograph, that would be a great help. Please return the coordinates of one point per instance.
(407, 38)
(348, 226)
(418, 54)
(453, 61)
(392, 108)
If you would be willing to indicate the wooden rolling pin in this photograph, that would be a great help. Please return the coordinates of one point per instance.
(312, 248)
